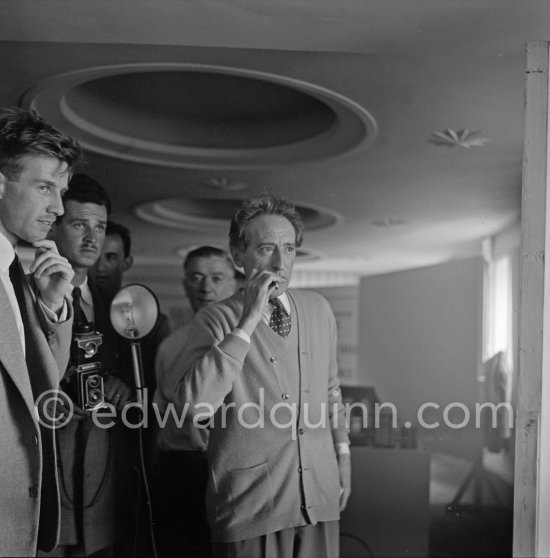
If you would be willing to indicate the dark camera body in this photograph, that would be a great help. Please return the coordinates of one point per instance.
(85, 384)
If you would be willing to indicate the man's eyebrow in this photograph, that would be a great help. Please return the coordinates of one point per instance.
(45, 181)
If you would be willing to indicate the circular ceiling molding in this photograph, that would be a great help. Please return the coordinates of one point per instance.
(196, 116)
(212, 215)
(302, 254)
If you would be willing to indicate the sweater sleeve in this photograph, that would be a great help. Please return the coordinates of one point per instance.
(213, 358)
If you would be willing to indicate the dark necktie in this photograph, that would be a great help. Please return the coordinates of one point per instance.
(280, 320)
(17, 277)
(80, 319)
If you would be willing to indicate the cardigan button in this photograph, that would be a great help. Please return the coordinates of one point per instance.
(33, 491)
(301, 431)
(285, 396)
(273, 360)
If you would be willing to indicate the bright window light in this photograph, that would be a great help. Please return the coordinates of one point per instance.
(499, 308)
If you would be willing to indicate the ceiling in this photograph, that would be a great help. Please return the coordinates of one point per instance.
(185, 107)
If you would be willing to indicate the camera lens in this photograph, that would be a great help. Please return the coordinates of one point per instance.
(90, 348)
(94, 396)
(94, 381)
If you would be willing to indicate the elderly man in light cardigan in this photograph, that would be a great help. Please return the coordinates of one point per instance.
(260, 371)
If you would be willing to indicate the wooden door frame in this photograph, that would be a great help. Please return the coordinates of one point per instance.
(532, 462)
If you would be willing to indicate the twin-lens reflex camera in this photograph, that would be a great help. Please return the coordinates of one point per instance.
(85, 385)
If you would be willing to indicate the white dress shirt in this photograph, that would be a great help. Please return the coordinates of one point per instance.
(7, 253)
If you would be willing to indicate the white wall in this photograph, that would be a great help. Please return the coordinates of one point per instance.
(420, 335)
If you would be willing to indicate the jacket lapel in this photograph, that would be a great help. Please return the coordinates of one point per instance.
(11, 351)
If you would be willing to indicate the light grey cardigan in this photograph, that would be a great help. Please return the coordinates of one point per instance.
(266, 478)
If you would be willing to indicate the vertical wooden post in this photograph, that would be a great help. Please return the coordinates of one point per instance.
(532, 467)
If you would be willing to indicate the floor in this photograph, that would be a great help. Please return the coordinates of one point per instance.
(480, 531)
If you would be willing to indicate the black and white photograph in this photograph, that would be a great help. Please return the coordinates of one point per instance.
(274, 278)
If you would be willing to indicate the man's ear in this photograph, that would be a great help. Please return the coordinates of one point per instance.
(237, 256)
(128, 262)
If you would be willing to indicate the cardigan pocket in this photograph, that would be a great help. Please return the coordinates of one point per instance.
(251, 491)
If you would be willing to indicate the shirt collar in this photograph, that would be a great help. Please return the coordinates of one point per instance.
(7, 253)
(85, 292)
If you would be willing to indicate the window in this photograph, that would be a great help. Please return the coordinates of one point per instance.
(498, 309)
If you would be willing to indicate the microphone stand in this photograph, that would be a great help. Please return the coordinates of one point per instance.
(137, 364)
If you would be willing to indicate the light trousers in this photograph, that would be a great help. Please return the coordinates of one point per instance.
(310, 541)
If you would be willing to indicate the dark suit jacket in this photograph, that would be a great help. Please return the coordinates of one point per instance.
(29, 501)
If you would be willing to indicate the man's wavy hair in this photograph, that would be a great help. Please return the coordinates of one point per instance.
(25, 133)
(266, 204)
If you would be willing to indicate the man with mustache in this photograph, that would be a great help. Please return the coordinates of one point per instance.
(92, 473)
(260, 369)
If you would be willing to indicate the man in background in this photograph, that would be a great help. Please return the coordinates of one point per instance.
(115, 259)
(93, 465)
(108, 274)
(209, 276)
(36, 162)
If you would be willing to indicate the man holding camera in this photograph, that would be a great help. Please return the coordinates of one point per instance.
(92, 487)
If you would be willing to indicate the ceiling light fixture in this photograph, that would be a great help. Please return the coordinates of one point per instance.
(461, 138)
